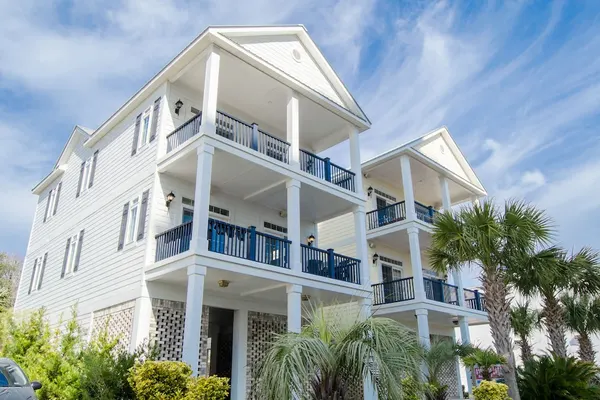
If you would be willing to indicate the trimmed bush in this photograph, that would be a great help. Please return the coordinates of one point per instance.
(160, 380)
(491, 391)
(211, 388)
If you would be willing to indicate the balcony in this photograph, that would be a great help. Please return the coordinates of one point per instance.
(250, 244)
(403, 289)
(397, 212)
(250, 136)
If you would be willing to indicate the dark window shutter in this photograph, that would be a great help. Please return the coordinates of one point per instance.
(64, 267)
(123, 227)
(56, 198)
(32, 276)
(78, 252)
(93, 171)
(47, 205)
(80, 179)
(42, 271)
(143, 209)
(155, 115)
(136, 134)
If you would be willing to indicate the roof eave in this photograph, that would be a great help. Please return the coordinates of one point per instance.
(51, 177)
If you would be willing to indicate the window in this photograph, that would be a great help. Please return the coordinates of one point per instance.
(385, 195)
(145, 134)
(133, 220)
(86, 175)
(187, 202)
(218, 211)
(276, 228)
(51, 202)
(37, 273)
(72, 254)
(12, 376)
(391, 269)
(133, 215)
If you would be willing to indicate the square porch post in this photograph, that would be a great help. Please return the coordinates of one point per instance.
(193, 316)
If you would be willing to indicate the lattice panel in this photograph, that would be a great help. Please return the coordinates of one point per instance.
(448, 374)
(261, 327)
(117, 320)
(166, 331)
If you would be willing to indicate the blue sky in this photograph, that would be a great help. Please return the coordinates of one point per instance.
(517, 83)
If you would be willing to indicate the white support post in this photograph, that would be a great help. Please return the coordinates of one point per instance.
(211, 89)
(362, 250)
(456, 278)
(239, 359)
(407, 186)
(423, 327)
(444, 189)
(202, 197)
(355, 166)
(293, 224)
(141, 321)
(293, 127)
(193, 317)
(465, 337)
(369, 390)
(294, 308)
(457, 366)
(415, 260)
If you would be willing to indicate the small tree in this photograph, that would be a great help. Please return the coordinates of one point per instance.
(10, 268)
(485, 359)
(524, 322)
(582, 315)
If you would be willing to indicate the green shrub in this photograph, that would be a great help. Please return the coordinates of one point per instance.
(491, 391)
(211, 388)
(411, 389)
(160, 380)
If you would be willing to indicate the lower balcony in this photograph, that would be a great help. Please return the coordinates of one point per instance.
(397, 212)
(403, 289)
(250, 244)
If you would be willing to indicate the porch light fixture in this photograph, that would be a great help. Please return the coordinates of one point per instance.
(178, 106)
(170, 198)
(223, 283)
(310, 240)
(305, 297)
(369, 191)
(375, 258)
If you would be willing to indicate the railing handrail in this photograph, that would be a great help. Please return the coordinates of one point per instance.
(172, 229)
(410, 278)
(344, 169)
(186, 123)
(312, 155)
(267, 235)
(273, 137)
(234, 118)
(386, 207)
(347, 257)
(423, 205)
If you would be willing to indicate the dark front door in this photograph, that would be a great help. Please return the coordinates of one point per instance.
(381, 211)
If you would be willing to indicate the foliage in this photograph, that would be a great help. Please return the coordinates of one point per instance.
(558, 378)
(496, 240)
(582, 315)
(160, 380)
(210, 388)
(440, 355)
(10, 268)
(332, 354)
(411, 389)
(486, 359)
(524, 322)
(491, 391)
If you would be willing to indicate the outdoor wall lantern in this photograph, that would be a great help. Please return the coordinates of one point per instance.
(310, 240)
(170, 198)
(375, 258)
(223, 283)
(178, 106)
(369, 191)
(305, 297)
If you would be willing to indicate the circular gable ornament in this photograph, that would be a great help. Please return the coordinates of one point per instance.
(297, 55)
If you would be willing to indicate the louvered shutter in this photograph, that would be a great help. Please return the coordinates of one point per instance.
(64, 267)
(78, 252)
(123, 227)
(56, 198)
(136, 134)
(155, 115)
(80, 179)
(42, 271)
(32, 276)
(143, 209)
(93, 171)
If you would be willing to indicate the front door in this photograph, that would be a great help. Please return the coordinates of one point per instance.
(381, 213)
(187, 216)
(392, 289)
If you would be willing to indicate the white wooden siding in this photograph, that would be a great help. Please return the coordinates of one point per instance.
(439, 151)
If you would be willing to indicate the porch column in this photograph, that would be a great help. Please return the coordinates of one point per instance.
(294, 308)
(457, 366)
(193, 317)
(202, 197)
(465, 337)
(415, 260)
(362, 250)
(446, 203)
(355, 166)
(407, 186)
(240, 350)
(141, 320)
(293, 224)
(369, 390)
(423, 327)
(293, 127)
(211, 88)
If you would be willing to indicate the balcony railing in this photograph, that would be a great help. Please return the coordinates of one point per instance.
(440, 291)
(248, 243)
(474, 300)
(184, 133)
(397, 212)
(324, 169)
(329, 264)
(403, 290)
(424, 213)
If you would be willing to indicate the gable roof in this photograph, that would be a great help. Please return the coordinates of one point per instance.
(426, 147)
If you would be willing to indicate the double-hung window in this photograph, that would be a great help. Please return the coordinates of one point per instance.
(132, 220)
(52, 203)
(86, 174)
(145, 129)
(37, 273)
(72, 254)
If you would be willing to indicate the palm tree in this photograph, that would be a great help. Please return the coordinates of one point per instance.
(524, 322)
(551, 273)
(330, 356)
(485, 359)
(439, 356)
(582, 315)
(492, 239)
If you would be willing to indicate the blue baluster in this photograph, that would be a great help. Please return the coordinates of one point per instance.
(254, 143)
(477, 300)
(331, 263)
(252, 244)
(327, 169)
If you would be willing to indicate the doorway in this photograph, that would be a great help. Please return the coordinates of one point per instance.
(220, 342)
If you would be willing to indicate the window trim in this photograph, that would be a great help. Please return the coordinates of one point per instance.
(69, 268)
(146, 114)
(85, 180)
(132, 230)
(51, 203)
(35, 279)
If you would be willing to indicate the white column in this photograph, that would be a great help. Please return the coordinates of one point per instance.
(141, 321)
(457, 366)
(423, 327)
(293, 127)
(456, 278)
(294, 308)
(369, 390)
(415, 260)
(239, 359)
(475, 200)
(362, 250)
(202, 197)
(211, 89)
(446, 203)
(355, 159)
(465, 337)
(293, 224)
(407, 186)
(193, 316)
